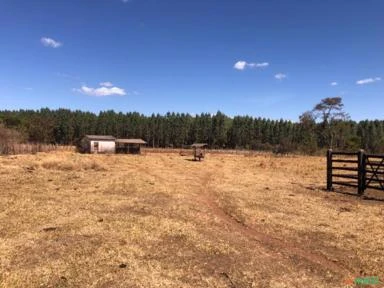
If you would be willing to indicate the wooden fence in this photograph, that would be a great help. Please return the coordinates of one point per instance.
(32, 148)
(355, 169)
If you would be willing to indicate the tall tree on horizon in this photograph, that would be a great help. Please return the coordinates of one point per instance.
(330, 111)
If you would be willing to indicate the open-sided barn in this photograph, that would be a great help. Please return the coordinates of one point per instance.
(129, 146)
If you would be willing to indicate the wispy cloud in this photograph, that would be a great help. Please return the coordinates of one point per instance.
(106, 84)
(280, 76)
(101, 91)
(49, 42)
(126, 1)
(334, 84)
(367, 81)
(241, 65)
(258, 65)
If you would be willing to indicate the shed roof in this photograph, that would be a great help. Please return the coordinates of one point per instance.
(100, 137)
(131, 141)
(199, 145)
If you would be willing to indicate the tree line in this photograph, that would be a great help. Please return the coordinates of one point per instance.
(326, 125)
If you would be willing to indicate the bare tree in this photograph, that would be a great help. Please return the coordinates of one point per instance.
(8, 137)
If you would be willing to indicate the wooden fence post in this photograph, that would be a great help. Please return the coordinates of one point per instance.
(361, 173)
(329, 170)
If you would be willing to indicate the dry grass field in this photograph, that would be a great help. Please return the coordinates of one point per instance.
(161, 220)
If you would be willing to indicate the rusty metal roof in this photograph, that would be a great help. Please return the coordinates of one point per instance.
(100, 137)
(131, 141)
(199, 145)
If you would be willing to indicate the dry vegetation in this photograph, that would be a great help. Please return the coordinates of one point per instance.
(160, 220)
(13, 142)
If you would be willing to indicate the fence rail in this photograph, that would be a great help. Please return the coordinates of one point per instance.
(31, 148)
(365, 170)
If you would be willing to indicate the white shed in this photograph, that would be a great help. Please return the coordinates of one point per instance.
(98, 144)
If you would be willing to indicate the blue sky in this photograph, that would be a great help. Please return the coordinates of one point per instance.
(273, 59)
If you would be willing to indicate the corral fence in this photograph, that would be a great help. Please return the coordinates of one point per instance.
(355, 169)
(32, 148)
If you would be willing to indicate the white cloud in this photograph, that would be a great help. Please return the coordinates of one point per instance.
(101, 91)
(280, 76)
(106, 84)
(241, 65)
(125, 1)
(49, 42)
(367, 81)
(334, 83)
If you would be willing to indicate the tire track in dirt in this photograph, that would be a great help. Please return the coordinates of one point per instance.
(207, 198)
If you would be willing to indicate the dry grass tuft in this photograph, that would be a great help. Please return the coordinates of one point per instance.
(58, 165)
(73, 163)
